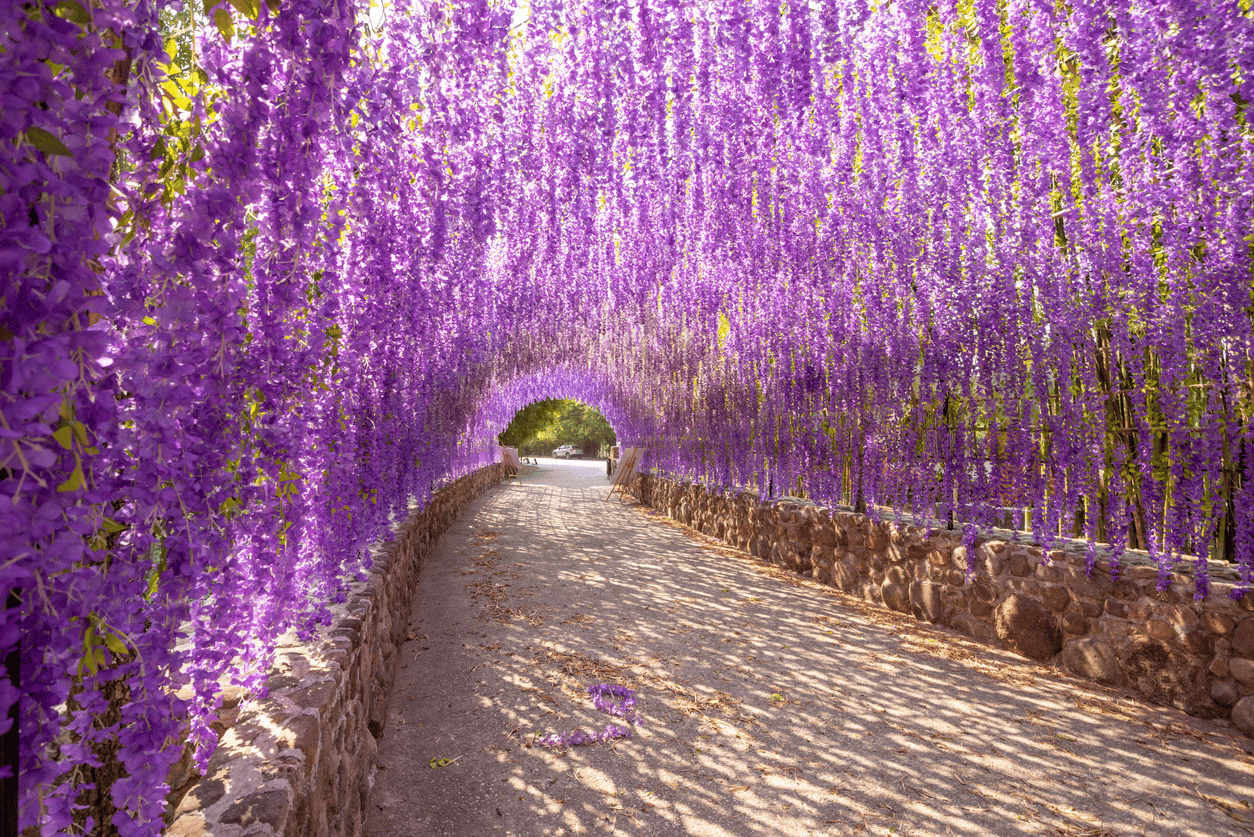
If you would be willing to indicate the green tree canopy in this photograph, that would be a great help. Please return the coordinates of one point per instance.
(542, 426)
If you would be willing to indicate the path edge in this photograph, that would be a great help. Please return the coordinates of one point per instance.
(302, 761)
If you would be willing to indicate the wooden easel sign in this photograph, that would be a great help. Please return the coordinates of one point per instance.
(509, 457)
(627, 465)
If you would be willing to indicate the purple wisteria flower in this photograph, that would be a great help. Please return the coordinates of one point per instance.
(618, 701)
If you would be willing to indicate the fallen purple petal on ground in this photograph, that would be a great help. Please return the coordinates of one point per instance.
(624, 707)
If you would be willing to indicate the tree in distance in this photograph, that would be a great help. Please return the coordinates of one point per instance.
(542, 426)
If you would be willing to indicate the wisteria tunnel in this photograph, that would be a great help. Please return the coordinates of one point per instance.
(276, 271)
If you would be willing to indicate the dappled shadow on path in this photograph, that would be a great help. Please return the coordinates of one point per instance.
(772, 705)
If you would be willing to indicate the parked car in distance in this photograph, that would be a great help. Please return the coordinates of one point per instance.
(568, 452)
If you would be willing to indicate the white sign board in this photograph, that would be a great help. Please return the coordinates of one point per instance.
(627, 464)
(509, 456)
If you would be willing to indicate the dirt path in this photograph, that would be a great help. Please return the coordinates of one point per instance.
(771, 704)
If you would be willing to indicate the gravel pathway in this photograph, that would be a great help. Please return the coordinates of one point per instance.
(771, 704)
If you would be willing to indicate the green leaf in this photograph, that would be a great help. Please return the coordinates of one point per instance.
(64, 435)
(440, 763)
(76, 481)
(248, 8)
(73, 10)
(222, 20)
(93, 654)
(46, 142)
(115, 644)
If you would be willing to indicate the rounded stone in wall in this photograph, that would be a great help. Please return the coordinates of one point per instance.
(1025, 626)
(876, 540)
(1219, 667)
(1243, 715)
(1019, 566)
(926, 601)
(845, 574)
(1242, 669)
(1049, 572)
(1199, 642)
(1182, 617)
(1243, 638)
(1139, 572)
(1115, 631)
(1091, 658)
(994, 562)
(1056, 598)
(965, 623)
(984, 590)
(1079, 583)
(1074, 623)
(895, 597)
(1220, 624)
(1224, 692)
(1167, 675)
(795, 556)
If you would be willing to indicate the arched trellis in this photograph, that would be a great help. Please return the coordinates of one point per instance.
(260, 286)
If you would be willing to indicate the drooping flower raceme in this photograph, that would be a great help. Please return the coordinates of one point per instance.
(275, 272)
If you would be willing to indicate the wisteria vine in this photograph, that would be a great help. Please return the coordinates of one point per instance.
(275, 269)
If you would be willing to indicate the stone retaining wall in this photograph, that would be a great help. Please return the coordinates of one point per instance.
(1196, 656)
(300, 763)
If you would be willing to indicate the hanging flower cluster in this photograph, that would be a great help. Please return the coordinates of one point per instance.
(274, 271)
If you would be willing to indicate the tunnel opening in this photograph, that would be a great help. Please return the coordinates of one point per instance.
(564, 428)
